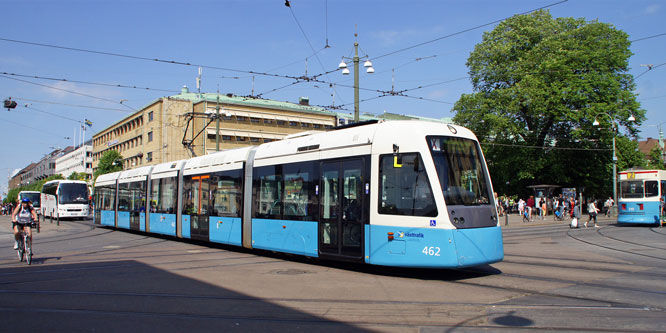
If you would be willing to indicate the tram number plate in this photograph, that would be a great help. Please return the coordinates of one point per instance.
(431, 251)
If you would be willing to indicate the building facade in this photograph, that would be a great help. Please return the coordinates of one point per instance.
(184, 125)
(78, 160)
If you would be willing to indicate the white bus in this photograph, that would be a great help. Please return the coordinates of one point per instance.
(65, 199)
(34, 197)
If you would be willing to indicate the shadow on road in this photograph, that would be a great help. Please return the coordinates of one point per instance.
(132, 296)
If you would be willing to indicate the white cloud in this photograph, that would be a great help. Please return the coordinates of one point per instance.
(651, 9)
(63, 90)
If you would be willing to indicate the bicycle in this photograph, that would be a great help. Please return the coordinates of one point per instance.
(25, 245)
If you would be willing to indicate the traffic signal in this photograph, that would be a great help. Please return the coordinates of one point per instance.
(9, 104)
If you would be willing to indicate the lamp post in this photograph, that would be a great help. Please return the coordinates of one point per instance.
(345, 71)
(615, 126)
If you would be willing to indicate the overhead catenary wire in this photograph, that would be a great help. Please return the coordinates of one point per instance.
(466, 30)
(54, 114)
(36, 129)
(648, 37)
(69, 91)
(88, 82)
(649, 69)
(544, 147)
(72, 105)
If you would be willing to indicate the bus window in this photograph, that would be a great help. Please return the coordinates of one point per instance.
(73, 193)
(651, 188)
(404, 188)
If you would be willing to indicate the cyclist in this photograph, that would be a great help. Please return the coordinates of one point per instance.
(23, 217)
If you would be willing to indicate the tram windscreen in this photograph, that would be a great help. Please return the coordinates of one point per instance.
(461, 171)
(631, 189)
(73, 193)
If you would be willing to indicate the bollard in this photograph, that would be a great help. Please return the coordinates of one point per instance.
(58, 220)
(38, 224)
(51, 218)
(506, 218)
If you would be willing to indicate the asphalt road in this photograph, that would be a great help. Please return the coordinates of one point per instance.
(94, 279)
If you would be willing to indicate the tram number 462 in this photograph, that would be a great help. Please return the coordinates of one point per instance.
(431, 251)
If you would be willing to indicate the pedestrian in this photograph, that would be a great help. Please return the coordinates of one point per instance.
(530, 206)
(521, 206)
(544, 209)
(592, 211)
(537, 208)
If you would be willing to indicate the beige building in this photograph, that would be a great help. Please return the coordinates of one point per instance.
(182, 126)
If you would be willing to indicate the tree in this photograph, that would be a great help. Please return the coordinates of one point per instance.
(111, 161)
(78, 176)
(655, 158)
(539, 84)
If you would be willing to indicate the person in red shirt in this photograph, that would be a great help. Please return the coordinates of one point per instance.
(530, 206)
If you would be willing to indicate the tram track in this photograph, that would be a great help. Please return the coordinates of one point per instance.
(612, 248)
(629, 242)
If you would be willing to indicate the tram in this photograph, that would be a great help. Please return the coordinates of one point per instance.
(641, 194)
(394, 193)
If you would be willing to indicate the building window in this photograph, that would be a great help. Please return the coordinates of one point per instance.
(316, 126)
(254, 139)
(150, 136)
(268, 121)
(305, 125)
(268, 140)
(150, 116)
(255, 120)
(239, 118)
(149, 157)
(226, 138)
(328, 127)
(293, 123)
(241, 138)
(281, 122)
(226, 117)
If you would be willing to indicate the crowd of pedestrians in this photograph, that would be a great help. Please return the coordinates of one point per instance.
(7, 209)
(539, 208)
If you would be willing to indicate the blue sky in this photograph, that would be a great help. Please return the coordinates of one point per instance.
(263, 36)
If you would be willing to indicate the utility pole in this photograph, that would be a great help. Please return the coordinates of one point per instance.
(345, 71)
(356, 83)
(217, 122)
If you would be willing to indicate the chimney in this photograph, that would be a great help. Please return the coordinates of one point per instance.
(184, 90)
(304, 101)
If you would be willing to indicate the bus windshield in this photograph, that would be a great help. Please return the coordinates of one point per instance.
(460, 170)
(34, 198)
(73, 193)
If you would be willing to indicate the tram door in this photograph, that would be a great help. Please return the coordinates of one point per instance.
(200, 201)
(341, 196)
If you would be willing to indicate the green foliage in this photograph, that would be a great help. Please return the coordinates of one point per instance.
(654, 160)
(540, 82)
(78, 176)
(12, 195)
(628, 155)
(111, 161)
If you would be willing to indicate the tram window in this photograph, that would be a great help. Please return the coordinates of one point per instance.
(124, 197)
(461, 171)
(137, 196)
(188, 205)
(404, 189)
(268, 199)
(631, 189)
(164, 194)
(299, 191)
(105, 197)
(226, 193)
(651, 188)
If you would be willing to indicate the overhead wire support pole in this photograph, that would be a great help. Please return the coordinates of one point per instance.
(356, 81)
(217, 122)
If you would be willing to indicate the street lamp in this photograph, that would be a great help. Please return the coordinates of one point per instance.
(345, 71)
(615, 126)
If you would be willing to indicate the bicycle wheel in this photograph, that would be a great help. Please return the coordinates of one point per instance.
(20, 250)
(28, 250)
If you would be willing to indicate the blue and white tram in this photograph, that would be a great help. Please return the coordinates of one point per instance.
(397, 193)
(640, 194)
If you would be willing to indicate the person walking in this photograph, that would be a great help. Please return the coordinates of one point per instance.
(592, 211)
(530, 206)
